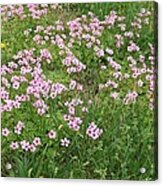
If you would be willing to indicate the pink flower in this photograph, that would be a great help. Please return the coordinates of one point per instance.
(89, 45)
(79, 87)
(19, 127)
(37, 141)
(25, 145)
(14, 145)
(72, 85)
(100, 53)
(133, 47)
(16, 104)
(130, 97)
(4, 94)
(128, 34)
(119, 40)
(20, 124)
(141, 58)
(71, 110)
(5, 132)
(52, 134)
(67, 117)
(74, 123)
(41, 111)
(32, 147)
(16, 85)
(45, 54)
(114, 95)
(109, 51)
(93, 131)
(65, 142)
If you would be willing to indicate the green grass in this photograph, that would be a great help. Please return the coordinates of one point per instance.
(127, 143)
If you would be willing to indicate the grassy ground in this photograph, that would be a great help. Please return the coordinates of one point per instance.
(128, 140)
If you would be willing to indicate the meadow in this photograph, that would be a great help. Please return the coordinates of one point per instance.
(78, 91)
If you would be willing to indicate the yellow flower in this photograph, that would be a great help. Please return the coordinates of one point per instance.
(3, 45)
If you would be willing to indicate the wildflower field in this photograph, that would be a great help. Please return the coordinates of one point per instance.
(78, 90)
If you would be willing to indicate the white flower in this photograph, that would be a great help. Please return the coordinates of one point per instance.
(8, 166)
(65, 142)
(142, 170)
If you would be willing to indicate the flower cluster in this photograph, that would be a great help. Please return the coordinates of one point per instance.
(73, 64)
(73, 121)
(36, 86)
(18, 128)
(45, 54)
(26, 145)
(34, 11)
(125, 70)
(109, 83)
(93, 131)
(75, 85)
(130, 97)
(89, 28)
